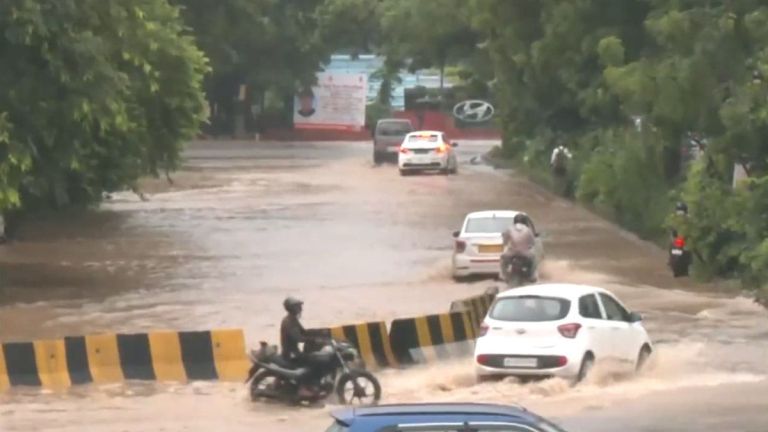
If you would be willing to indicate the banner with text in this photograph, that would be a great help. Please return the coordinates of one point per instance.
(337, 102)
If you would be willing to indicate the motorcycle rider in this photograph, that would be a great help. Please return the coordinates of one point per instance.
(292, 333)
(519, 239)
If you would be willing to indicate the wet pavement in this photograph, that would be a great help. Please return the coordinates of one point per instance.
(245, 224)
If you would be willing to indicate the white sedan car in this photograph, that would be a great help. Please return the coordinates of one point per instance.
(558, 330)
(478, 245)
(427, 150)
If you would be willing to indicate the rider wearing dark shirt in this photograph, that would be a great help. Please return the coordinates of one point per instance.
(292, 333)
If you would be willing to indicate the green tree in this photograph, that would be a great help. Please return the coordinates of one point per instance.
(265, 45)
(98, 94)
(351, 25)
(581, 72)
(427, 33)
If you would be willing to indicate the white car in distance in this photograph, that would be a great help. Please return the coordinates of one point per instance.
(558, 330)
(425, 151)
(478, 245)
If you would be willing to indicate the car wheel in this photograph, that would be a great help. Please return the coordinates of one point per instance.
(642, 358)
(378, 158)
(404, 172)
(587, 363)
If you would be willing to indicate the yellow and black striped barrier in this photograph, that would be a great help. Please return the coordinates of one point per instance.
(476, 306)
(431, 338)
(105, 358)
(370, 339)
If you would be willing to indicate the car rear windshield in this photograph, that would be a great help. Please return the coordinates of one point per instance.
(393, 129)
(423, 138)
(530, 309)
(488, 224)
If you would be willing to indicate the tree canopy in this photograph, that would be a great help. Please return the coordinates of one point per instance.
(96, 94)
(624, 83)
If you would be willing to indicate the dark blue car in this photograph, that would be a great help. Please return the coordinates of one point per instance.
(444, 417)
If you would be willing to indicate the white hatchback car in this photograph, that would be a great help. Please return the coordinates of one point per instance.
(478, 245)
(558, 330)
(427, 150)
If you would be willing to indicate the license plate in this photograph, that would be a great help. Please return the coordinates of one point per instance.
(526, 362)
(677, 252)
(490, 248)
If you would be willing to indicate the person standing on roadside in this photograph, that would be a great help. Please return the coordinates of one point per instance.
(559, 161)
(3, 237)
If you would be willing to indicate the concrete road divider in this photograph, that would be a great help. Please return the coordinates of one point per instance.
(370, 339)
(476, 306)
(431, 338)
(105, 358)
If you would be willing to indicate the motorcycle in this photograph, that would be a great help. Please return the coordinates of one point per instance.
(679, 257)
(517, 271)
(331, 367)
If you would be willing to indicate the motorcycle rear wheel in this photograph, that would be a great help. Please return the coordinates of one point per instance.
(262, 384)
(358, 385)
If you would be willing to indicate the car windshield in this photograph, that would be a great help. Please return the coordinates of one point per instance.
(393, 129)
(488, 224)
(530, 309)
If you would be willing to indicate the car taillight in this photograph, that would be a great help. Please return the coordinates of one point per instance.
(569, 330)
(442, 148)
(460, 246)
(561, 361)
(483, 359)
(483, 330)
(404, 150)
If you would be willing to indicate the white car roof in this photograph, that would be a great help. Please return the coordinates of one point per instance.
(563, 290)
(492, 213)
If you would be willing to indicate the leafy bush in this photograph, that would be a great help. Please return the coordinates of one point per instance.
(624, 179)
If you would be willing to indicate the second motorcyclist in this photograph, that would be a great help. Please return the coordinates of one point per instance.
(519, 240)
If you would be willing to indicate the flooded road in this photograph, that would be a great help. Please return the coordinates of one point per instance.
(244, 225)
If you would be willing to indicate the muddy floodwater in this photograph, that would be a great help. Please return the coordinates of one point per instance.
(246, 224)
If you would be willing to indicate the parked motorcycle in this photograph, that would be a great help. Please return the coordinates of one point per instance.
(517, 271)
(332, 367)
(679, 257)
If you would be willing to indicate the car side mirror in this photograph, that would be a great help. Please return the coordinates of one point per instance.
(456, 234)
(454, 144)
(635, 317)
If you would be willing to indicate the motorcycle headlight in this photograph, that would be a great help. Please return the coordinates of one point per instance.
(350, 354)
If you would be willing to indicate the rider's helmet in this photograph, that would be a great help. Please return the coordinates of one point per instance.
(292, 305)
(520, 218)
(681, 208)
